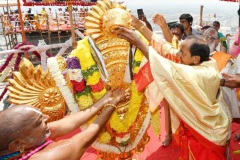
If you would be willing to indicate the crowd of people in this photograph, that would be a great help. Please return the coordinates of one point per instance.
(195, 78)
(38, 20)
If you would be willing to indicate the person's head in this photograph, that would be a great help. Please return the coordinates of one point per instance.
(22, 128)
(43, 8)
(204, 28)
(177, 29)
(211, 35)
(216, 25)
(186, 20)
(194, 50)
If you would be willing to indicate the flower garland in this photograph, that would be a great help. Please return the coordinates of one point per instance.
(130, 116)
(123, 125)
(61, 83)
(118, 150)
(81, 91)
(9, 67)
(93, 79)
(95, 87)
(155, 122)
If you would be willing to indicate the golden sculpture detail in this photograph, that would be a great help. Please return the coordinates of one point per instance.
(100, 22)
(35, 87)
(117, 16)
(62, 64)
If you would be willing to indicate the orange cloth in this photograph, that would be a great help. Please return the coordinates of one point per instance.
(198, 146)
(222, 59)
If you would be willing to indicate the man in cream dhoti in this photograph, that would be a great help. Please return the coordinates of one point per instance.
(191, 89)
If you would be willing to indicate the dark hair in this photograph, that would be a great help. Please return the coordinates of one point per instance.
(218, 23)
(177, 25)
(199, 47)
(205, 27)
(186, 16)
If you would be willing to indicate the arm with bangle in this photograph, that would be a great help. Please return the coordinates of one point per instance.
(74, 121)
(74, 147)
(94, 129)
(147, 33)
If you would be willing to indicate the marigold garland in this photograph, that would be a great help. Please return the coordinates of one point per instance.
(136, 98)
(155, 121)
(84, 101)
(89, 72)
(98, 95)
(104, 137)
(123, 125)
(94, 79)
(137, 61)
(138, 56)
(135, 70)
(95, 89)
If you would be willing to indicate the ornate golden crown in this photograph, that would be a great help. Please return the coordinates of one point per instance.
(117, 16)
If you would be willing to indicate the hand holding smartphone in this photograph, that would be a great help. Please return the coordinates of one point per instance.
(140, 13)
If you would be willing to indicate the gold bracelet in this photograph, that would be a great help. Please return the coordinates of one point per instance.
(141, 28)
(110, 105)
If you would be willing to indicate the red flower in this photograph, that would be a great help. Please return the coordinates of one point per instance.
(121, 135)
(78, 86)
(97, 87)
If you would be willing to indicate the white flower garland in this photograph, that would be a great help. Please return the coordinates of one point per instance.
(117, 150)
(7, 70)
(61, 83)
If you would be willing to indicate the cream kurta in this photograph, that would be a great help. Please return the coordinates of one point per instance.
(191, 92)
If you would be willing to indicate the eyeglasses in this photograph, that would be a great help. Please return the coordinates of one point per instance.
(210, 37)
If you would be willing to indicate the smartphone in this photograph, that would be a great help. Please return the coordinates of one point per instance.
(140, 12)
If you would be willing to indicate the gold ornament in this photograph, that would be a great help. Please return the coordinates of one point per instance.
(117, 16)
(130, 115)
(62, 64)
(100, 22)
(35, 87)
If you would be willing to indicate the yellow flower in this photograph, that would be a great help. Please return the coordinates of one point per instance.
(143, 38)
(94, 79)
(98, 95)
(83, 43)
(155, 122)
(84, 101)
(138, 56)
(83, 53)
(73, 53)
(91, 120)
(135, 103)
(135, 70)
(104, 137)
